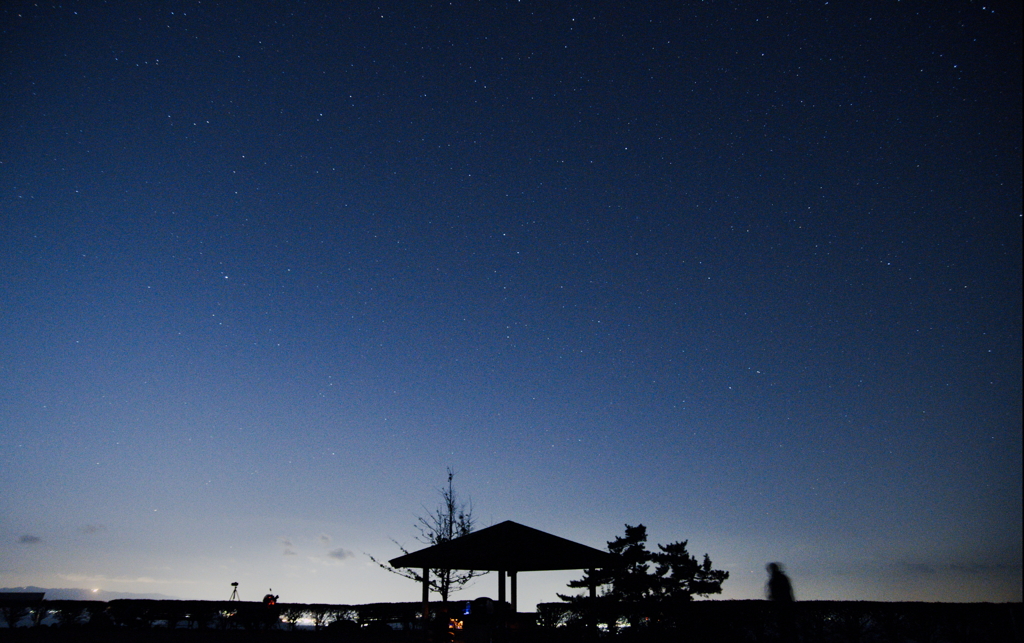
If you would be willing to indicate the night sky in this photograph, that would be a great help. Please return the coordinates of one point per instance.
(748, 273)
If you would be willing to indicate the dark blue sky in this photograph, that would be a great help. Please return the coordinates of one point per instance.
(747, 273)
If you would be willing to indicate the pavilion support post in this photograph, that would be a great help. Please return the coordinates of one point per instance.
(592, 610)
(502, 632)
(512, 582)
(426, 596)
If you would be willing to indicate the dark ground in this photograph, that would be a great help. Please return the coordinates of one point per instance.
(704, 621)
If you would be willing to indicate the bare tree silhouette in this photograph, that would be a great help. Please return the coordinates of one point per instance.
(451, 519)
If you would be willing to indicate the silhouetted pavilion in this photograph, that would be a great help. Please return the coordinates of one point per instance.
(507, 548)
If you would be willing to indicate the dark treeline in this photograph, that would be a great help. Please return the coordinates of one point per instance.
(818, 622)
(725, 621)
(203, 615)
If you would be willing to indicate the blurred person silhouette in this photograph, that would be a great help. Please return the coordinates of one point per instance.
(780, 591)
(779, 588)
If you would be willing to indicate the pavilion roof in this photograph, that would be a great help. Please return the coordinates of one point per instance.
(507, 546)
